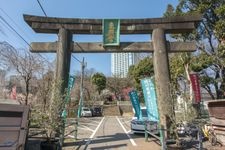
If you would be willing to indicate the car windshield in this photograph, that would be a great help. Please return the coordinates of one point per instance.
(85, 109)
(144, 113)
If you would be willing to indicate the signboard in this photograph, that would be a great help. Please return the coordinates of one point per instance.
(196, 87)
(148, 88)
(136, 104)
(111, 32)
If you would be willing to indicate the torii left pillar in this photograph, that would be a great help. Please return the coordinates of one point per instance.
(63, 66)
(63, 58)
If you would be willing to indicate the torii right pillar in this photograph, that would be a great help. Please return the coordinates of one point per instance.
(162, 78)
(162, 75)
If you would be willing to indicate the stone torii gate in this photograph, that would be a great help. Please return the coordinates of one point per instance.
(158, 27)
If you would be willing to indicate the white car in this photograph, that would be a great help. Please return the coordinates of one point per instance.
(86, 112)
(138, 126)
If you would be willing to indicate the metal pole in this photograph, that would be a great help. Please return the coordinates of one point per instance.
(146, 132)
(82, 81)
(81, 99)
(200, 136)
(162, 138)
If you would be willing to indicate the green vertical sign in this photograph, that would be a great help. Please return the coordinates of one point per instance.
(111, 32)
(67, 99)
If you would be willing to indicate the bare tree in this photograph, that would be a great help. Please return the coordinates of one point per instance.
(26, 64)
(2, 83)
(89, 88)
(44, 88)
(116, 85)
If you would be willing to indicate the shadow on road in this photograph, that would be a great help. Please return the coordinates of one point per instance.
(102, 140)
(111, 138)
(109, 147)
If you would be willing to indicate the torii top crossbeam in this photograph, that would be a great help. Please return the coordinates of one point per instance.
(177, 24)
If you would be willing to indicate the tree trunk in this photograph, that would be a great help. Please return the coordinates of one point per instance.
(186, 67)
(216, 86)
(222, 86)
(191, 93)
(27, 91)
(207, 88)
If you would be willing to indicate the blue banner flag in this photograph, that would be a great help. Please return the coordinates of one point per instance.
(148, 88)
(136, 104)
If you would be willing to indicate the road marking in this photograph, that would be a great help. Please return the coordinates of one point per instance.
(126, 121)
(71, 136)
(94, 121)
(93, 134)
(89, 124)
(131, 140)
(85, 128)
(129, 131)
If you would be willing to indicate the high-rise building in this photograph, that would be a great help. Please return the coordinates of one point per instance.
(120, 63)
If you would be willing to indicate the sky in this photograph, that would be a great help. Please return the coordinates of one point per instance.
(12, 11)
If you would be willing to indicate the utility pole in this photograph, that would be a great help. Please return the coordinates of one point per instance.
(82, 82)
(81, 99)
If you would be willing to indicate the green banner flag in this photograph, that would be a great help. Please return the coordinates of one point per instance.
(67, 99)
(111, 32)
(71, 82)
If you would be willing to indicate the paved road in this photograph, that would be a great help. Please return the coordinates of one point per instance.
(110, 136)
(112, 133)
(109, 133)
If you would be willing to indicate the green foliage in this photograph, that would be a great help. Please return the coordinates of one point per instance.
(205, 81)
(169, 11)
(212, 12)
(131, 71)
(143, 69)
(220, 24)
(176, 68)
(197, 63)
(200, 62)
(99, 80)
(209, 60)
